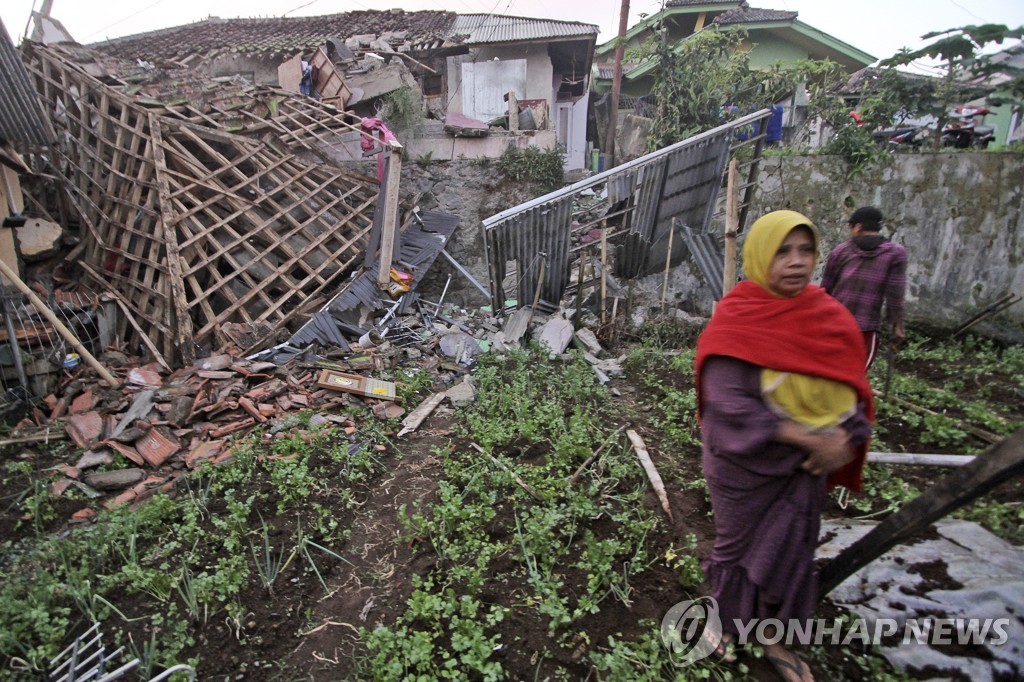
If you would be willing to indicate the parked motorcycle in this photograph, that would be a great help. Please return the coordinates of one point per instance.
(963, 132)
(905, 137)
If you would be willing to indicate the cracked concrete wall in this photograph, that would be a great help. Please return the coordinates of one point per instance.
(960, 215)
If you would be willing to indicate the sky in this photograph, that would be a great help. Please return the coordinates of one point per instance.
(878, 27)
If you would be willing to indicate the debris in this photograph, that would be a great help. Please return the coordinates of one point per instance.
(556, 335)
(461, 394)
(652, 474)
(115, 480)
(416, 417)
(353, 383)
(85, 429)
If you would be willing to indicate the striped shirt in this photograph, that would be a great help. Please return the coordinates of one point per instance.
(865, 272)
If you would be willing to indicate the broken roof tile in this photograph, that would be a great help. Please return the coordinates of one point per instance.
(126, 450)
(85, 429)
(205, 450)
(141, 376)
(155, 447)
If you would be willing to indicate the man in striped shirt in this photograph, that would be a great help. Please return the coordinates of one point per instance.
(865, 272)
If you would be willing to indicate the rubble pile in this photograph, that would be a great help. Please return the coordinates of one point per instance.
(140, 437)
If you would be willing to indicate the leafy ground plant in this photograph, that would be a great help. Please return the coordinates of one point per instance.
(517, 538)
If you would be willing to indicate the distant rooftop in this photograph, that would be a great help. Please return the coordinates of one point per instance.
(274, 36)
(490, 28)
(279, 36)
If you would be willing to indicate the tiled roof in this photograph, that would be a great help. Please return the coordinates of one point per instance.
(490, 28)
(278, 36)
(752, 15)
(684, 3)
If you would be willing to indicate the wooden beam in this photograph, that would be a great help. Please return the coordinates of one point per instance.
(390, 207)
(999, 463)
(182, 324)
(45, 311)
(732, 228)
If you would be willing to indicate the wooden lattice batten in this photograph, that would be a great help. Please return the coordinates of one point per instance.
(220, 208)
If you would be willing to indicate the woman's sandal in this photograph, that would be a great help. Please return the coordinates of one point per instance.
(722, 652)
(786, 668)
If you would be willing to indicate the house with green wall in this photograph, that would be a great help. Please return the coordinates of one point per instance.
(773, 36)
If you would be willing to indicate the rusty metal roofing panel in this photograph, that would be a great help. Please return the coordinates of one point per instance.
(706, 250)
(20, 117)
(491, 28)
(638, 204)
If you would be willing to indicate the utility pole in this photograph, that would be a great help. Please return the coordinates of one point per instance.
(620, 50)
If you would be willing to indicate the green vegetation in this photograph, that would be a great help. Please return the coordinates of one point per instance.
(543, 169)
(150, 572)
(402, 110)
(539, 521)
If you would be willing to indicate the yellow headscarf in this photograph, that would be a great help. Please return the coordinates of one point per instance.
(764, 239)
(812, 401)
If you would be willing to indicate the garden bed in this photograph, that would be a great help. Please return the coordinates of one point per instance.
(459, 551)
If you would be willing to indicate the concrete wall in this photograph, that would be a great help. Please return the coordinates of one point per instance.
(960, 215)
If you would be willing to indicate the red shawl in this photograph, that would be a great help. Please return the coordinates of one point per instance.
(810, 333)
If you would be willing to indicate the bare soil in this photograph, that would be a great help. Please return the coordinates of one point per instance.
(298, 632)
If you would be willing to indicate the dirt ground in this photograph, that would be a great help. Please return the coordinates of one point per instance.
(296, 632)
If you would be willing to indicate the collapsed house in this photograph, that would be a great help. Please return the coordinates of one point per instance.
(459, 69)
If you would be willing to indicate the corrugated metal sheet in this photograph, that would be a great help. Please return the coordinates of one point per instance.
(641, 201)
(706, 250)
(20, 118)
(420, 246)
(490, 28)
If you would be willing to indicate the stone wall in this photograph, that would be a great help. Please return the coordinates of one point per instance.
(959, 215)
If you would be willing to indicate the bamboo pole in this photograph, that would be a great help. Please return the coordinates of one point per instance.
(917, 459)
(540, 282)
(640, 448)
(604, 269)
(579, 294)
(668, 266)
(732, 228)
(45, 311)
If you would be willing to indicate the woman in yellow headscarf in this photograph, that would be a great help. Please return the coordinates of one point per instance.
(785, 411)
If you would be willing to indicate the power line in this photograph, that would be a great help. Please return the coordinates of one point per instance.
(121, 21)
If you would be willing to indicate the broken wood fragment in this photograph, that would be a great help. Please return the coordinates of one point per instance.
(424, 410)
(597, 453)
(652, 474)
(999, 463)
(522, 484)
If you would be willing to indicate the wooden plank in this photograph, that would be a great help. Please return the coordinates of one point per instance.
(999, 463)
(416, 417)
(182, 318)
(640, 448)
(389, 233)
(914, 459)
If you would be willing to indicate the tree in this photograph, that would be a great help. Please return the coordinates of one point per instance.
(960, 50)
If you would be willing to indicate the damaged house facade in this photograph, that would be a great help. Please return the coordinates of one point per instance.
(463, 71)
